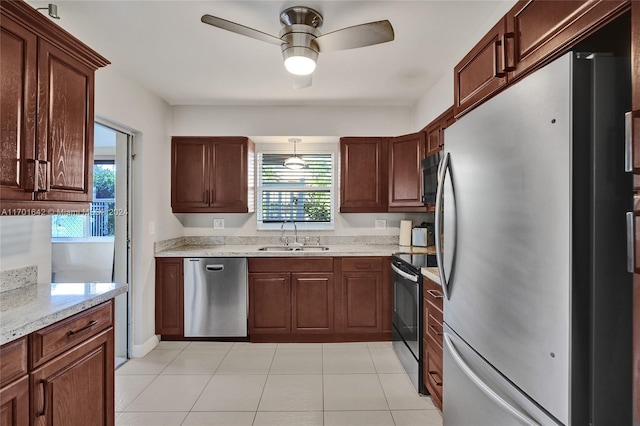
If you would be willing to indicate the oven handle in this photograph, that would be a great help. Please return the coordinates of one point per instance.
(442, 174)
(404, 274)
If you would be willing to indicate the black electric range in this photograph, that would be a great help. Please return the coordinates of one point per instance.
(415, 261)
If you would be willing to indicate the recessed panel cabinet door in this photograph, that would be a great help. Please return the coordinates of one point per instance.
(312, 303)
(229, 176)
(269, 303)
(364, 170)
(14, 403)
(405, 174)
(190, 173)
(169, 296)
(77, 387)
(18, 91)
(64, 150)
(362, 302)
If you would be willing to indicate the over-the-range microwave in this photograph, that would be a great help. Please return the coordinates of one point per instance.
(430, 177)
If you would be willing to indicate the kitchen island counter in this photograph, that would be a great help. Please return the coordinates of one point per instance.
(32, 307)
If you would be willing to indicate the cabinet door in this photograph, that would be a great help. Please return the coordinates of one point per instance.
(364, 169)
(18, 90)
(269, 303)
(77, 387)
(229, 174)
(481, 72)
(362, 302)
(312, 303)
(405, 175)
(14, 403)
(189, 174)
(169, 296)
(540, 29)
(434, 137)
(64, 147)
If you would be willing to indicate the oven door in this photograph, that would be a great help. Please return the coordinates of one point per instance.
(407, 322)
(406, 307)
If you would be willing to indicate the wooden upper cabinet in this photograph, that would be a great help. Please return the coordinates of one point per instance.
(482, 71)
(434, 131)
(542, 30)
(405, 174)
(364, 171)
(46, 86)
(18, 86)
(212, 175)
(65, 140)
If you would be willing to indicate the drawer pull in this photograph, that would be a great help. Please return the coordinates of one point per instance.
(41, 413)
(435, 293)
(435, 330)
(435, 377)
(86, 327)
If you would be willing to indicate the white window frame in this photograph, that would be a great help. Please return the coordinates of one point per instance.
(304, 226)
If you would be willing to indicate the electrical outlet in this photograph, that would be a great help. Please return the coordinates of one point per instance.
(218, 223)
(381, 224)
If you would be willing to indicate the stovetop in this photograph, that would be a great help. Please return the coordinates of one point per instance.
(416, 261)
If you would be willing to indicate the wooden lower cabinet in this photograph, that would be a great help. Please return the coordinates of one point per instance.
(312, 303)
(319, 299)
(14, 403)
(169, 296)
(433, 340)
(76, 388)
(72, 384)
(269, 303)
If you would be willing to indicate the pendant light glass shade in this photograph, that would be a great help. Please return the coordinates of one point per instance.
(295, 162)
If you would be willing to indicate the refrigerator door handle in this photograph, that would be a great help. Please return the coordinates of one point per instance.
(628, 142)
(484, 388)
(442, 174)
(631, 233)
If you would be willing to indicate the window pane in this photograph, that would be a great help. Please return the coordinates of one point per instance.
(302, 195)
(67, 226)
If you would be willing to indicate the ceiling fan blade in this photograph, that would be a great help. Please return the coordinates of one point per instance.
(301, 81)
(357, 36)
(240, 29)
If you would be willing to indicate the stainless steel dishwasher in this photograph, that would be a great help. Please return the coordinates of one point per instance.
(215, 297)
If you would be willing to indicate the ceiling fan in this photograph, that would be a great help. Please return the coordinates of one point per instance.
(301, 42)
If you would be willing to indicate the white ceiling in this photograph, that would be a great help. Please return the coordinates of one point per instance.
(164, 46)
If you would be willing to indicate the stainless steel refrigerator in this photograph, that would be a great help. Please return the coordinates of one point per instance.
(532, 247)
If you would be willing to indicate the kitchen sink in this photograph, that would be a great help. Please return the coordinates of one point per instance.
(293, 248)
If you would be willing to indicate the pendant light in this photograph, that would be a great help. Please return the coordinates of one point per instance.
(295, 162)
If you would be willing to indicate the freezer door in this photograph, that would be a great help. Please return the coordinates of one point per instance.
(476, 394)
(507, 233)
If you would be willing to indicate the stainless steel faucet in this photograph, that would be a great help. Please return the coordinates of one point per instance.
(285, 240)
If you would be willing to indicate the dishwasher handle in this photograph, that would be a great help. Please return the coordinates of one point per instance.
(215, 268)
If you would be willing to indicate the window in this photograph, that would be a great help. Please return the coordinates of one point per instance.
(304, 196)
(100, 222)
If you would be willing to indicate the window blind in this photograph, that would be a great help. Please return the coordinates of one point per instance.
(303, 195)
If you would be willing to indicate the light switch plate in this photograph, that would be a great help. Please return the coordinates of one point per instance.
(218, 223)
(381, 224)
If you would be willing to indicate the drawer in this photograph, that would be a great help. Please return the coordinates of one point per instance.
(13, 360)
(290, 264)
(433, 325)
(354, 264)
(433, 378)
(432, 292)
(53, 340)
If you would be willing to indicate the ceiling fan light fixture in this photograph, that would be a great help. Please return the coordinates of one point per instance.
(300, 60)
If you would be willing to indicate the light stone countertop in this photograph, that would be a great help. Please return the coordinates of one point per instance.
(431, 273)
(225, 250)
(32, 307)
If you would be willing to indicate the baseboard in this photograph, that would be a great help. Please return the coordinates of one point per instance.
(138, 351)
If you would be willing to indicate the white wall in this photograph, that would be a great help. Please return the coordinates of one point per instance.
(439, 97)
(79, 262)
(26, 241)
(127, 103)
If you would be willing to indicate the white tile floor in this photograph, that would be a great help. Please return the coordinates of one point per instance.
(233, 384)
